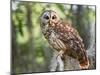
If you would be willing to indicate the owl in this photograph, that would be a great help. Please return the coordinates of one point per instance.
(63, 38)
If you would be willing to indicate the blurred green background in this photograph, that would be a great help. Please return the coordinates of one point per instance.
(30, 50)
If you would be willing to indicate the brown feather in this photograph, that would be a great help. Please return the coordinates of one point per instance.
(73, 42)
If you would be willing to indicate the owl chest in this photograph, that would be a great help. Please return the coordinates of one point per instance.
(55, 42)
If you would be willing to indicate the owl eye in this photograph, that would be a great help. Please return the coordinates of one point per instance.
(46, 17)
(54, 17)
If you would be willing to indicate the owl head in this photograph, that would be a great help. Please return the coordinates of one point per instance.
(49, 16)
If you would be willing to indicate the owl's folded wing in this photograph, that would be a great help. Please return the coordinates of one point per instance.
(76, 48)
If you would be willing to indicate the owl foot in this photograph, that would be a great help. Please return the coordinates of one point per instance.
(60, 54)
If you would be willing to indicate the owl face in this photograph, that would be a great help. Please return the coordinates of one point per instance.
(49, 17)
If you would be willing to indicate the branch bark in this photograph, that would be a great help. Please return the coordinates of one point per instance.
(57, 64)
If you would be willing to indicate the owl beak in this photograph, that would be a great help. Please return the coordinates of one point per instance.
(50, 22)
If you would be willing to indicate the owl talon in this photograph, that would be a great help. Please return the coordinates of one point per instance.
(60, 54)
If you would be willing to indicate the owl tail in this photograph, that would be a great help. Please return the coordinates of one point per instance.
(83, 60)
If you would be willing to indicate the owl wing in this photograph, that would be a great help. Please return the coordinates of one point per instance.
(74, 46)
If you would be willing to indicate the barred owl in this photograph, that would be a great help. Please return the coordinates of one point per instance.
(63, 37)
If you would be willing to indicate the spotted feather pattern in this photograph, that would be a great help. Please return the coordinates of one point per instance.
(64, 37)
